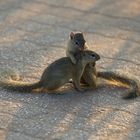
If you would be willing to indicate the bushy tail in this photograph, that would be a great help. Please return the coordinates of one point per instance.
(19, 86)
(134, 91)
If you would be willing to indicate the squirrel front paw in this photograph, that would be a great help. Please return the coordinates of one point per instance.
(73, 61)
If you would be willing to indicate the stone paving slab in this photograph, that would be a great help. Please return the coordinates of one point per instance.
(33, 33)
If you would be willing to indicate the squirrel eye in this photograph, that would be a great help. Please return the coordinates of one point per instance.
(77, 43)
(93, 55)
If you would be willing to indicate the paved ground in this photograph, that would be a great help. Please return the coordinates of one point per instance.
(33, 33)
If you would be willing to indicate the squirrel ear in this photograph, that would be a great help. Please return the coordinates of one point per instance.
(84, 33)
(71, 35)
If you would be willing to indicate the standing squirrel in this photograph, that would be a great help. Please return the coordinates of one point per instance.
(56, 74)
(76, 44)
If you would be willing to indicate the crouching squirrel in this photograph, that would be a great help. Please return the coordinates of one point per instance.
(56, 74)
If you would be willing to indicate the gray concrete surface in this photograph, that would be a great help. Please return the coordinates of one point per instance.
(33, 33)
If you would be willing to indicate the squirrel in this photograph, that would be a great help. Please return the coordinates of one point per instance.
(56, 74)
(76, 44)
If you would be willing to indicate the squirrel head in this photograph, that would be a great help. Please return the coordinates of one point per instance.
(78, 40)
(87, 56)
